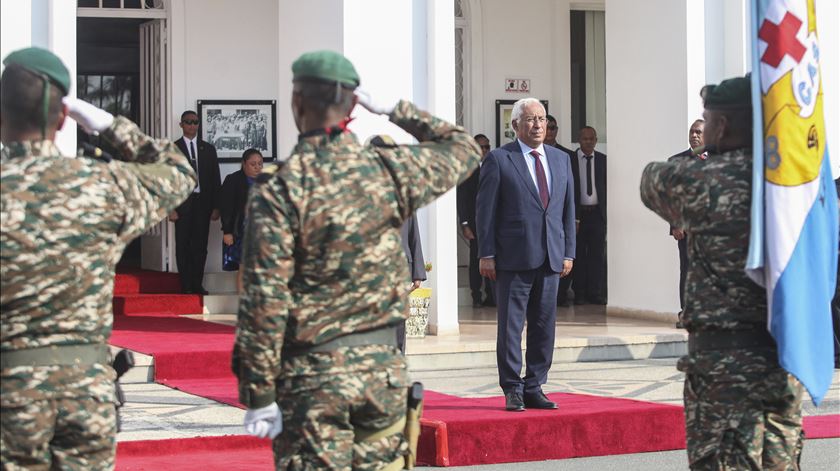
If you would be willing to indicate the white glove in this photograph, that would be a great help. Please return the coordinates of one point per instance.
(92, 119)
(373, 106)
(265, 422)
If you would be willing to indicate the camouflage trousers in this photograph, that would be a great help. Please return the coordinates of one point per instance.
(321, 415)
(747, 421)
(65, 433)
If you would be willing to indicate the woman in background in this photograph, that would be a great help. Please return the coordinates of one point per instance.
(234, 196)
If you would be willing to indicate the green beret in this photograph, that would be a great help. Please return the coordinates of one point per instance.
(41, 62)
(732, 93)
(326, 66)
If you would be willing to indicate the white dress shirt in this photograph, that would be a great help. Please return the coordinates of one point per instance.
(586, 200)
(192, 144)
(532, 168)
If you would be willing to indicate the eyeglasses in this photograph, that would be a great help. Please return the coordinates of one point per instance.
(190, 121)
(534, 119)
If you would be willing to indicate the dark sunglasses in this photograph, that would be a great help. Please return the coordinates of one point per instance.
(190, 121)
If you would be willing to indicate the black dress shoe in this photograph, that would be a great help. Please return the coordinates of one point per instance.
(513, 402)
(579, 301)
(489, 303)
(563, 303)
(538, 401)
(200, 290)
(186, 291)
(477, 304)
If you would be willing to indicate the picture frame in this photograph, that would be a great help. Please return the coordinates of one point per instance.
(233, 126)
(504, 131)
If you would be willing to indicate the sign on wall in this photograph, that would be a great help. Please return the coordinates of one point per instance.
(517, 85)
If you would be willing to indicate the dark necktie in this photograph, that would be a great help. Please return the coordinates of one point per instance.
(194, 162)
(542, 183)
(588, 175)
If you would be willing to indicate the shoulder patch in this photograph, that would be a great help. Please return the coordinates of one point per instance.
(93, 152)
(383, 141)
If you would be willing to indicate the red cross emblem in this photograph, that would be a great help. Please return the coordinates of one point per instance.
(781, 40)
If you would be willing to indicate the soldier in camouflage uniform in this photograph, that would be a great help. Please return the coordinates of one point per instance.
(742, 410)
(325, 276)
(64, 222)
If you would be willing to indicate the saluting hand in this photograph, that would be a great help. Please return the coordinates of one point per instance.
(365, 99)
(92, 119)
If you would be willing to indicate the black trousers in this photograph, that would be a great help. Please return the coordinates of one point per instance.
(476, 280)
(590, 266)
(525, 295)
(191, 233)
(682, 244)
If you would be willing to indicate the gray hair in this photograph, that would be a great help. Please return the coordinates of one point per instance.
(519, 105)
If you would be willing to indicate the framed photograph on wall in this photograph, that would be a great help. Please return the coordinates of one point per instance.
(504, 131)
(234, 126)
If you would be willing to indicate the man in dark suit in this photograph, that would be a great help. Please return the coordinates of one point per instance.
(551, 130)
(590, 178)
(465, 198)
(695, 151)
(526, 235)
(551, 135)
(192, 218)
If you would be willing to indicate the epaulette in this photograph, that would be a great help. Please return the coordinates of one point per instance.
(268, 172)
(93, 152)
(383, 141)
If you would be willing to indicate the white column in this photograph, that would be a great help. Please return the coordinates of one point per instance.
(49, 24)
(443, 251)
(54, 28)
(651, 96)
(828, 17)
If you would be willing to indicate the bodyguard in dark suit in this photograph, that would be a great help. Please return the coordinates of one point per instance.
(551, 130)
(695, 141)
(192, 218)
(525, 217)
(465, 199)
(590, 178)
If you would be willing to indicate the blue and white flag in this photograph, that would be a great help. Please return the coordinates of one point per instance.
(794, 238)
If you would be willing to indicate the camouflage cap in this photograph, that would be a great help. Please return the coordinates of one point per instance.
(325, 66)
(43, 63)
(730, 94)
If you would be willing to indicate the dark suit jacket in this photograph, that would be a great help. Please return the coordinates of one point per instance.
(512, 224)
(209, 178)
(465, 199)
(600, 164)
(232, 199)
(410, 235)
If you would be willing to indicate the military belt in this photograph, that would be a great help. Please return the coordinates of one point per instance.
(383, 336)
(56, 355)
(729, 340)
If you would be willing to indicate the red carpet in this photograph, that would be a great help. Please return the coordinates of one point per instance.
(182, 348)
(479, 431)
(152, 294)
(239, 452)
(194, 356)
(231, 452)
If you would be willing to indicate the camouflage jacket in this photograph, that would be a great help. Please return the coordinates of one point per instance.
(711, 200)
(65, 222)
(322, 255)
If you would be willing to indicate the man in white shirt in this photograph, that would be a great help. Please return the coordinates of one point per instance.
(590, 175)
